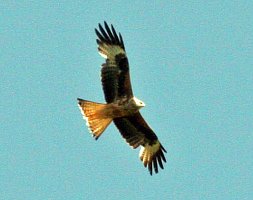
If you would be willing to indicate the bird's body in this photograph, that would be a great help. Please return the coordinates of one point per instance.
(122, 106)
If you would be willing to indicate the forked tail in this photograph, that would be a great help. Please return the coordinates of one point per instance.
(95, 116)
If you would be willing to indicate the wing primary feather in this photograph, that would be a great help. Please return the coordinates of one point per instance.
(107, 39)
(160, 161)
(155, 165)
(99, 42)
(99, 35)
(109, 32)
(163, 157)
(115, 35)
(121, 41)
(150, 168)
(163, 149)
(145, 163)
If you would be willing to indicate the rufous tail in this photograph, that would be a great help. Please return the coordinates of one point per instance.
(95, 116)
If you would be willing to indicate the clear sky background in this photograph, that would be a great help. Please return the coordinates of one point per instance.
(191, 63)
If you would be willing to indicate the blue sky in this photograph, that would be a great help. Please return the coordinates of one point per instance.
(191, 63)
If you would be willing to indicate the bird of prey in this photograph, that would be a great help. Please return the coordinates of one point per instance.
(121, 107)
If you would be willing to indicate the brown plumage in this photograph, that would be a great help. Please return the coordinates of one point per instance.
(122, 107)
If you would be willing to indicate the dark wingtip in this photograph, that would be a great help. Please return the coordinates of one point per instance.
(121, 41)
(109, 35)
(163, 149)
(79, 101)
(99, 35)
(150, 168)
(163, 157)
(100, 26)
(98, 42)
(96, 31)
(115, 35)
(155, 165)
(105, 23)
(158, 159)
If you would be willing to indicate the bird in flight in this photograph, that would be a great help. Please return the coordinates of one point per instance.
(121, 107)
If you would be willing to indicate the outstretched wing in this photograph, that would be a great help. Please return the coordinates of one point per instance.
(137, 132)
(115, 71)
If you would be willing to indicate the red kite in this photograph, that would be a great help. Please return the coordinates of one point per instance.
(122, 106)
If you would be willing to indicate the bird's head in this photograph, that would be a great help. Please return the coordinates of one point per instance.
(140, 104)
